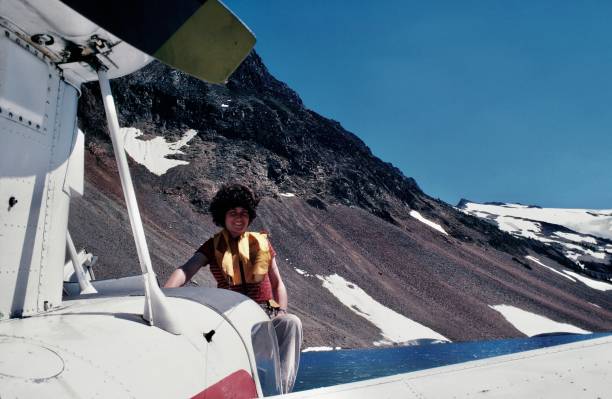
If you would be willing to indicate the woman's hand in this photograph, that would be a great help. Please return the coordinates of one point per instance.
(280, 312)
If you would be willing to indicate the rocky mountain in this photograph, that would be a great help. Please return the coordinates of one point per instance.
(367, 256)
(583, 236)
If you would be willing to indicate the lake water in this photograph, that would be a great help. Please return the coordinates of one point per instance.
(320, 369)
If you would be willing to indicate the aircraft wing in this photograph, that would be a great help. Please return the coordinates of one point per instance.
(200, 37)
(576, 370)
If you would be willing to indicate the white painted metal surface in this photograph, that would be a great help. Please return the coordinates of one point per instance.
(74, 183)
(38, 127)
(101, 347)
(124, 286)
(242, 312)
(86, 260)
(29, 361)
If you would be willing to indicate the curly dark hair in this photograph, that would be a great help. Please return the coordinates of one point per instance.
(231, 196)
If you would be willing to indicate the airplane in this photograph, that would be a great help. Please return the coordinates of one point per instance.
(127, 337)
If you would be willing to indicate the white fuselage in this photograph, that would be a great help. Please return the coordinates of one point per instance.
(102, 347)
(39, 134)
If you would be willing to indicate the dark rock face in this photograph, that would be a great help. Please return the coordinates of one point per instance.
(350, 214)
(295, 149)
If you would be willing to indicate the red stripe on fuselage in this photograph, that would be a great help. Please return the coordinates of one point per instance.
(238, 385)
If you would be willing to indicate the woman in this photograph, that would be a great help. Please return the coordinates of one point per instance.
(245, 262)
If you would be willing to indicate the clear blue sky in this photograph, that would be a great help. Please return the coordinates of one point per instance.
(488, 100)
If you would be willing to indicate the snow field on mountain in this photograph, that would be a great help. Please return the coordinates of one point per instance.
(532, 324)
(536, 260)
(394, 327)
(595, 222)
(152, 153)
(575, 237)
(578, 247)
(521, 227)
(589, 282)
(431, 224)
(570, 275)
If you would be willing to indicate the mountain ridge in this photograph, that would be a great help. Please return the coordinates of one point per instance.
(350, 214)
(580, 234)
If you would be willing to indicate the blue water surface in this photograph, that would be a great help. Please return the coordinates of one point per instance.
(321, 369)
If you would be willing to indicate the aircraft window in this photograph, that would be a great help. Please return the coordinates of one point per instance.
(265, 346)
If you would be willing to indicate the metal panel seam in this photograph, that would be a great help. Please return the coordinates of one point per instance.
(50, 184)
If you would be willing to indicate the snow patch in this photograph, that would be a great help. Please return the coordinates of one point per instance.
(431, 224)
(287, 195)
(521, 227)
(575, 237)
(522, 221)
(589, 282)
(537, 261)
(152, 153)
(572, 246)
(482, 215)
(532, 324)
(321, 349)
(597, 255)
(578, 252)
(394, 327)
(593, 222)
(302, 272)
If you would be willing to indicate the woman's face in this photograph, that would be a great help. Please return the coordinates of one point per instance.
(237, 221)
